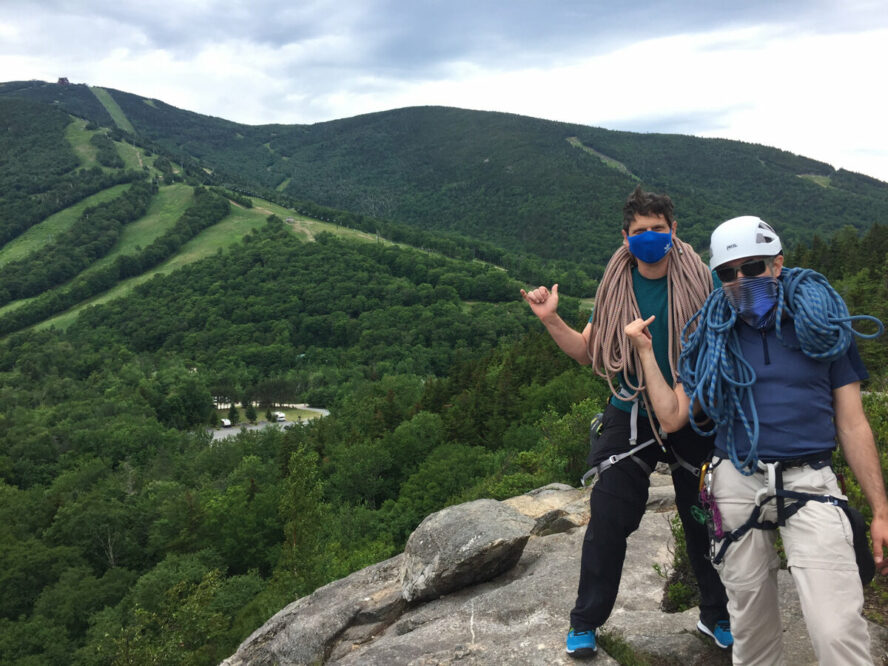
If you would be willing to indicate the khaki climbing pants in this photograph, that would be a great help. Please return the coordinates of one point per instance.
(819, 548)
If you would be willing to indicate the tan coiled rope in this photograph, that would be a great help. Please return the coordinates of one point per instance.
(689, 282)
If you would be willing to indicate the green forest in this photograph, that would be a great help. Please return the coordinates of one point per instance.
(123, 511)
(139, 296)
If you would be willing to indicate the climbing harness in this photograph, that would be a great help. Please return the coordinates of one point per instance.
(610, 461)
(681, 462)
(773, 489)
(718, 379)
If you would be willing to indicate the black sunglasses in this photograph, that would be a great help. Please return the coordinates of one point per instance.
(749, 269)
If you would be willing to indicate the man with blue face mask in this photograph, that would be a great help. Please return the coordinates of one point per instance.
(773, 365)
(653, 272)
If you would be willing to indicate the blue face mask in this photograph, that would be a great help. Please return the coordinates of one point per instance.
(650, 246)
(754, 299)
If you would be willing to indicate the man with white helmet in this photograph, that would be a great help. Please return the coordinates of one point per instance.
(773, 365)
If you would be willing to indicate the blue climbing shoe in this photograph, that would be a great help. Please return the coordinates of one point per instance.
(581, 643)
(720, 633)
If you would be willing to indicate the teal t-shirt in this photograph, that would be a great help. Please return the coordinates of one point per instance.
(653, 299)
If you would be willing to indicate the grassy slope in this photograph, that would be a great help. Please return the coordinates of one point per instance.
(78, 136)
(40, 234)
(219, 236)
(163, 212)
(166, 207)
(114, 109)
(132, 156)
(137, 234)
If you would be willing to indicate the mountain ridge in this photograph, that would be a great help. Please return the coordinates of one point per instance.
(507, 179)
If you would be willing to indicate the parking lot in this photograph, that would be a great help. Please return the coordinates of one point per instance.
(224, 433)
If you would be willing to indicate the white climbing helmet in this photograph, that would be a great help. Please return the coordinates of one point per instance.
(742, 237)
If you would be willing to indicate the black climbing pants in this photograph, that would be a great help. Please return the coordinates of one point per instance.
(618, 501)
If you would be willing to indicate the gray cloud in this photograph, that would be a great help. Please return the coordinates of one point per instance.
(419, 38)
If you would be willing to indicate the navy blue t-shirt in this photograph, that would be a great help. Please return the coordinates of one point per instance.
(792, 393)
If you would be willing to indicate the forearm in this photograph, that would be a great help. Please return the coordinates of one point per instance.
(859, 449)
(666, 401)
(860, 452)
(571, 342)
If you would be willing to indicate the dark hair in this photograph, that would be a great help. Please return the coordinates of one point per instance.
(646, 203)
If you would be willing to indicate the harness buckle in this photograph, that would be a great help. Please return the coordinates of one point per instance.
(614, 459)
(761, 496)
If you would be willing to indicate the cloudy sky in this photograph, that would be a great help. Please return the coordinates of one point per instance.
(803, 75)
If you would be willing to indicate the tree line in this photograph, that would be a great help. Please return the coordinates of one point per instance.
(90, 238)
(20, 212)
(207, 209)
(106, 151)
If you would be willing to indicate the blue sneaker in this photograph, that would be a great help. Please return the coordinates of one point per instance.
(720, 633)
(581, 643)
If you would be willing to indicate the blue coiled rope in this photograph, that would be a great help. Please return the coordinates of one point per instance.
(714, 373)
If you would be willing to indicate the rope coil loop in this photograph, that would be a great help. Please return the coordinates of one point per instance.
(610, 352)
(719, 380)
(689, 282)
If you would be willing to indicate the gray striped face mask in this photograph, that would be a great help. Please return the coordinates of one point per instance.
(754, 299)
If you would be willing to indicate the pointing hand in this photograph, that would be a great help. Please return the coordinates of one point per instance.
(638, 333)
